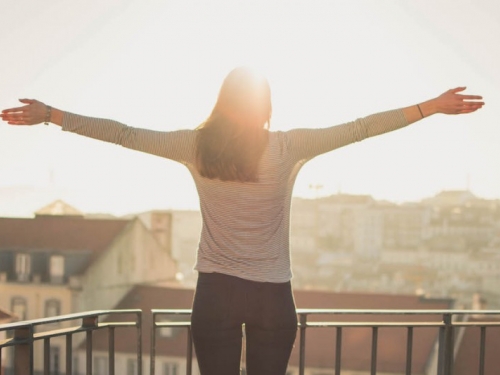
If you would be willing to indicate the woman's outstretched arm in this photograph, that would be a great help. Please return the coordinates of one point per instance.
(450, 102)
(174, 145)
(308, 143)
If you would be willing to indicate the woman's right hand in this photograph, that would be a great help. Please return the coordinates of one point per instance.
(34, 112)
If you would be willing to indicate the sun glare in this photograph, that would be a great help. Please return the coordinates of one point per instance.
(160, 66)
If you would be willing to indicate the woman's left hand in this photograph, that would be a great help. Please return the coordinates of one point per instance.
(453, 103)
(34, 112)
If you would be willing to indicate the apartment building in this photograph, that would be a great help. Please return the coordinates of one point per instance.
(60, 262)
(443, 246)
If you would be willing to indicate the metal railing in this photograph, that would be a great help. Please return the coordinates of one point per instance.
(450, 321)
(23, 335)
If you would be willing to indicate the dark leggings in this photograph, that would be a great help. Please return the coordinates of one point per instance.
(222, 304)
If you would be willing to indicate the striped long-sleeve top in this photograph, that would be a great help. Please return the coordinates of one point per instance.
(245, 230)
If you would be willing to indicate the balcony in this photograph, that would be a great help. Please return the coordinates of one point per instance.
(26, 347)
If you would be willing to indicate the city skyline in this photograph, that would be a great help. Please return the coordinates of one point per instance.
(159, 66)
(25, 201)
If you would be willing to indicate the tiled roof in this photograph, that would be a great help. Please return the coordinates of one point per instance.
(320, 342)
(59, 233)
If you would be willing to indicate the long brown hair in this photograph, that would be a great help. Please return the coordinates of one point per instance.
(231, 141)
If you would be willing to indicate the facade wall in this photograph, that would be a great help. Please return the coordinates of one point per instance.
(186, 229)
(39, 300)
(179, 231)
(134, 257)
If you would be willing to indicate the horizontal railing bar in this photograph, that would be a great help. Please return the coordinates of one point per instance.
(361, 324)
(476, 324)
(396, 312)
(73, 330)
(60, 332)
(13, 341)
(372, 324)
(171, 311)
(64, 332)
(118, 324)
(172, 324)
(61, 318)
(356, 311)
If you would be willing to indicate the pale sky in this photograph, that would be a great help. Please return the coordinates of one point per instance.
(159, 65)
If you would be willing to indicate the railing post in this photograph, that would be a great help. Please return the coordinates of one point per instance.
(189, 364)
(338, 351)
(482, 348)
(139, 343)
(23, 352)
(46, 356)
(69, 354)
(111, 350)
(302, 348)
(89, 323)
(409, 350)
(152, 349)
(374, 351)
(446, 347)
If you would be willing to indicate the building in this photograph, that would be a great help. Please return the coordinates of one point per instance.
(61, 262)
(5, 317)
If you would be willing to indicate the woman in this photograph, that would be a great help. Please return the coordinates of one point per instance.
(244, 175)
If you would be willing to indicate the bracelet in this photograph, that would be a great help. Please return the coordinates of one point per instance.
(421, 114)
(47, 114)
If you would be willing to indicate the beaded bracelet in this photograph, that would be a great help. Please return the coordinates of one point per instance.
(47, 114)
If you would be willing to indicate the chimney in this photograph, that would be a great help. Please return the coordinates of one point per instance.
(161, 227)
(478, 303)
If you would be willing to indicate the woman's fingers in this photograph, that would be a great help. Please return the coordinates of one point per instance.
(15, 109)
(17, 118)
(470, 97)
(20, 109)
(30, 114)
(457, 89)
(27, 101)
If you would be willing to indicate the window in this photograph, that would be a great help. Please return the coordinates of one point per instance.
(19, 307)
(119, 263)
(167, 332)
(100, 365)
(56, 270)
(55, 360)
(52, 308)
(131, 366)
(76, 366)
(23, 267)
(170, 368)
